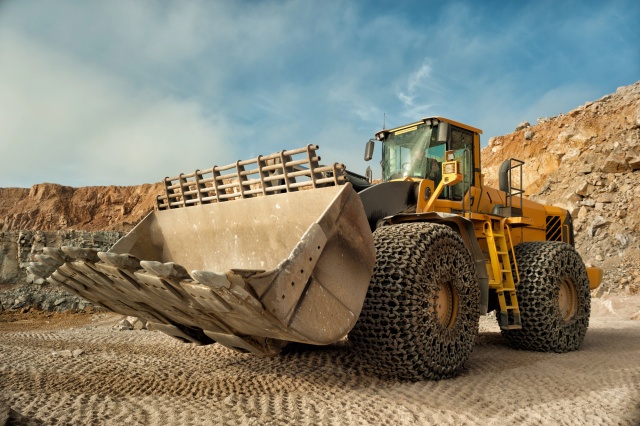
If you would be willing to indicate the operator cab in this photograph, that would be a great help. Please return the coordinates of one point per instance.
(416, 151)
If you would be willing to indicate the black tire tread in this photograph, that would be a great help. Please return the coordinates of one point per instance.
(398, 331)
(542, 265)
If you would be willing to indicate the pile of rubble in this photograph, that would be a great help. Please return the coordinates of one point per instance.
(20, 289)
(51, 207)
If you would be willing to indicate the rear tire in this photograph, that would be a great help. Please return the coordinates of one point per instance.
(420, 317)
(554, 298)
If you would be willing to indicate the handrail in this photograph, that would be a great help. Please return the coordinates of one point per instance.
(284, 171)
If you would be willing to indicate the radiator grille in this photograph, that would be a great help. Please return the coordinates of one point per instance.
(554, 228)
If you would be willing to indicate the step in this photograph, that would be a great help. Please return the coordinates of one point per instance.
(512, 327)
(504, 315)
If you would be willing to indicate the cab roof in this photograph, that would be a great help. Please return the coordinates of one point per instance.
(433, 120)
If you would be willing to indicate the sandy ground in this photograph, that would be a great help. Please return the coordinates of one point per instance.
(144, 377)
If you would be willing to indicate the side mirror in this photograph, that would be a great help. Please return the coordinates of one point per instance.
(369, 174)
(443, 132)
(368, 151)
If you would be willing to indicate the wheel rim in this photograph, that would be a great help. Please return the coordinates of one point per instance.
(446, 304)
(568, 299)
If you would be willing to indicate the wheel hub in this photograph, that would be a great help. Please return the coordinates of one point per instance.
(568, 299)
(446, 304)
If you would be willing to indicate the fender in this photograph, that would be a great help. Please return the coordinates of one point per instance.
(386, 199)
(465, 228)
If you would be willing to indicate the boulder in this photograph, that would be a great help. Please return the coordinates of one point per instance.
(137, 323)
(615, 162)
(582, 188)
(597, 223)
(605, 198)
(583, 213)
(123, 325)
(633, 160)
(585, 169)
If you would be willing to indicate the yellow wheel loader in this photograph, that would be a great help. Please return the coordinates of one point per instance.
(280, 249)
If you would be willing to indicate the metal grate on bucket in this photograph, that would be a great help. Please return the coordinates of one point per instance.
(277, 173)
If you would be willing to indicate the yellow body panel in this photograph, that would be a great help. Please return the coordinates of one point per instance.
(595, 277)
(491, 212)
(480, 203)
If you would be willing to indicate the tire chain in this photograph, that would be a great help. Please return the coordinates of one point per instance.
(542, 265)
(398, 331)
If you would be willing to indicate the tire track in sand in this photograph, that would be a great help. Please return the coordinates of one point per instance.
(142, 377)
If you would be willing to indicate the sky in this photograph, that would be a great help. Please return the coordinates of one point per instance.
(127, 92)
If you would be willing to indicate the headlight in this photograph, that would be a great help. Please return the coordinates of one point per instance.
(449, 168)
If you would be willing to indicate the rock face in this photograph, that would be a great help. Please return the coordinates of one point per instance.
(586, 161)
(51, 207)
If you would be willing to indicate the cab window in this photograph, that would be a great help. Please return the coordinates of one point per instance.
(462, 145)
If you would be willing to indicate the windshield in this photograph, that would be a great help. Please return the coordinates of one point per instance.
(413, 153)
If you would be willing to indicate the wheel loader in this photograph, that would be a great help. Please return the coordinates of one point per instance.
(278, 249)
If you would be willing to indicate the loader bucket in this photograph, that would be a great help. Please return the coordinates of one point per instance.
(249, 271)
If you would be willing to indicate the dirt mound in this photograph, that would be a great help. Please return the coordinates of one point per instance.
(588, 162)
(49, 206)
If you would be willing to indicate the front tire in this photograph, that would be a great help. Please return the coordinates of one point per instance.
(554, 298)
(420, 316)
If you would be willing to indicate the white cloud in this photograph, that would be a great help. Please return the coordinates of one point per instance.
(67, 122)
(417, 81)
(114, 86)
(419, 78)
(419, 91)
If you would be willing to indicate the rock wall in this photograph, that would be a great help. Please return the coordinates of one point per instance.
(51, 207)
(9, 258)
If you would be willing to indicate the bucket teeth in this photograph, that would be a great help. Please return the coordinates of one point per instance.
(40, 270)
(181, 272)
(54, 282)
(77, 253)
(229, 288)
(48, 260)
(211, 278)
(57, 254)
(122, 261)
(240, 292)
(164, 270)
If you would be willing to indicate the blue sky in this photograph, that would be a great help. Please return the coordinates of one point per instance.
(128, 92)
